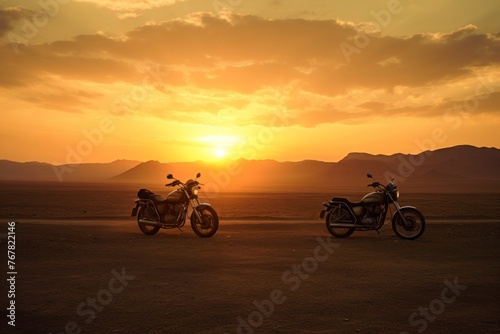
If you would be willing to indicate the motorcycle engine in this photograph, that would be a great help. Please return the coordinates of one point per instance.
(173, 212)
(372, 213)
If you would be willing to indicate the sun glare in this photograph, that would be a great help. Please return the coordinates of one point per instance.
(220, 152)
(219, 146)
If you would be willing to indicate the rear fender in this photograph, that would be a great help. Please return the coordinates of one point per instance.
(334, 204)
(138, 204)
(322, 213)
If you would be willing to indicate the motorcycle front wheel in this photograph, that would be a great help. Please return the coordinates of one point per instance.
(209, 221)
(339, 216)
(147, 212)
(413, 227)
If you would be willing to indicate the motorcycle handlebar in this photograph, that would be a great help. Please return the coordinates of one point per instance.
(176, 182)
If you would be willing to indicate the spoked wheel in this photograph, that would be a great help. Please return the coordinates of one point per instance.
(209, 221)
(147, 212)
(340, 216)
(413, 227)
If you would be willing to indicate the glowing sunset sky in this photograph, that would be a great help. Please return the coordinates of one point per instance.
(186, 80)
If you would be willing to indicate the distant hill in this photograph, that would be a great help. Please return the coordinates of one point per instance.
(37, 171)
(459, 168)
(453, 169)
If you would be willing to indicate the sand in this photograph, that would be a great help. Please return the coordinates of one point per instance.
(253, 278)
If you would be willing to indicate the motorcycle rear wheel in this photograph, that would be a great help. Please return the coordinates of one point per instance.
(343, 216)
(147, 212)
(414, 227)
(209, 224)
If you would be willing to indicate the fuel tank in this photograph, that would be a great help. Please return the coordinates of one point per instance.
(373, 198)
(176, 196)
(359, 211)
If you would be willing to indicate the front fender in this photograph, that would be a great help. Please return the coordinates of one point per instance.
(408, 207)
(402, 209)
(200, 207)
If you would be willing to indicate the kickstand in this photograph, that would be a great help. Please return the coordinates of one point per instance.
(181, 230)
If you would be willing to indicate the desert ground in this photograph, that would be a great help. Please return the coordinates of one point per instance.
(83, 266)
(272, 277)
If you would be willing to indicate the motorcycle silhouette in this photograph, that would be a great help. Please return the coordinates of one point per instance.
(154, 212)
(344, 217)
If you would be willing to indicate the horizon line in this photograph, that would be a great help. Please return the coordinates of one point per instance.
(225, 160)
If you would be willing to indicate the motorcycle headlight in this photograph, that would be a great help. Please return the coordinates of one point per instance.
(395, 194)
(195, 191)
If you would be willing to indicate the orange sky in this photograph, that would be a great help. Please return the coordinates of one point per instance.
(186, 80)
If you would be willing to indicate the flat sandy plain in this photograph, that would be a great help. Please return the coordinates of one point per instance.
(281, 275)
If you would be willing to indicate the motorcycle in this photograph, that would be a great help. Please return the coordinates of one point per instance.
(344, 217)
(154, 212)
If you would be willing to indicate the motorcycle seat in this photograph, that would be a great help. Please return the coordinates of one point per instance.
(145, 193)
(346, 201)
(158, 199)
(148, 194)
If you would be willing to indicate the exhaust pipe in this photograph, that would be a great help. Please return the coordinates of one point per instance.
(343, 225)
(150, 222)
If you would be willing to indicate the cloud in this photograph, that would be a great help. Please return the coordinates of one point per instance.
(131, 5)
(239, 69)
(9, 16)
(34, 63)
(242, 45)
(67, 99)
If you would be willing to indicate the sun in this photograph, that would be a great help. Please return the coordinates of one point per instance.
(220, 152)
(218, 147)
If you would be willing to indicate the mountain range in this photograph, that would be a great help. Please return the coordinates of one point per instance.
(455, 169)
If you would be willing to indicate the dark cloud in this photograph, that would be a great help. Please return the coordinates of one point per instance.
(32, 63)
(10, 16)
(273, 52)
(67, 100)
(246, 55)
